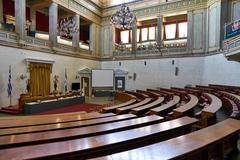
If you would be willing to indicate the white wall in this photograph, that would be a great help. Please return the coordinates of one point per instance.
(160, 72)
(194, 70)
(15, 58)
(217, 69)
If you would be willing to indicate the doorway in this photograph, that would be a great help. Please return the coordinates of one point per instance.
(120, 83)
(85, 86)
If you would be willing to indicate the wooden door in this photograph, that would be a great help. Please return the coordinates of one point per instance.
(85, 85)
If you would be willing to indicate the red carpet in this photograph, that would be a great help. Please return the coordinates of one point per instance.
(87, 107)
(11, 110)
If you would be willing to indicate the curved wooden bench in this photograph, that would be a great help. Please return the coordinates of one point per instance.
(181, 94)
(189, 91)
(128, 108)
(165, 108)
(145, 108)
(113, 108)
(196, 145)
(139, 96)
(51, 120)
(58, 126)
(165, 94)
(123, 96)
(186, 109)
(235, 103)
(153, 95)
(234, 89)
(26, 117)
(209, 112)
(60, 135)
(101, 145)
(202, 89)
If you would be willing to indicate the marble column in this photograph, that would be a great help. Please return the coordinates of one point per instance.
(53, 23)
(33, 20)
(190, 31)
(75, 38)
(20, 18)
(134, 39)
(1, 11)
(159, 29)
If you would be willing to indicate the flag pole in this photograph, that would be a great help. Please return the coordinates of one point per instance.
(10, 100)
(10, 86)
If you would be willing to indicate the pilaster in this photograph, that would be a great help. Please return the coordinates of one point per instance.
(75, 38)
(190, 31)
(53, 23)
(20, 18)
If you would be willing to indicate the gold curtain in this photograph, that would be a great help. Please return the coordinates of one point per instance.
(40, 79)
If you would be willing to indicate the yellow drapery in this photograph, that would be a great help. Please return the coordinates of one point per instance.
(40, 79)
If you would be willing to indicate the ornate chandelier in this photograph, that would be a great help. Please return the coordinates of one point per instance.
(67, 27)
(123, 18)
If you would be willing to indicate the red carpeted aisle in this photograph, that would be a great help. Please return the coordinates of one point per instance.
(87, 107)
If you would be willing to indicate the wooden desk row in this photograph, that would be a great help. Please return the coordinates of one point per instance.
(235, 103)
(67, 125)
(79, 132)
(126, 109)
(209, 112)
(186, 109)
(44, 119)
(90, 147)
(198, 145)
(164, 109)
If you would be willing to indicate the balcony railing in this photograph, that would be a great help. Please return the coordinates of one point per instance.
(12, 39)
(174, 47)
(8, 36)
(231, 44)
(37, 42)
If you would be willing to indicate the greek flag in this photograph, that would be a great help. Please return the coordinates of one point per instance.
(65, 81)
(9, 90)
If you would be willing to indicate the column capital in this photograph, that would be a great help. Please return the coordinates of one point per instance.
(54, 3)
(77, 15)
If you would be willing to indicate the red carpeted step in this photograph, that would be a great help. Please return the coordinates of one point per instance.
(10, 111)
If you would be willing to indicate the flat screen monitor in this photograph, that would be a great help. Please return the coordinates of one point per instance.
(102, 78)
(75, 86)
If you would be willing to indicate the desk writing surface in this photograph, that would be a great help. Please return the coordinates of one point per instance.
(181, 145)
(189, 105)
(131, 101)
(6, 141)
(43, 119)
(171, 103)
(154, 103)
(81, 145)
(57, 126)
(215, 105)
(233, 95)
(143, 102)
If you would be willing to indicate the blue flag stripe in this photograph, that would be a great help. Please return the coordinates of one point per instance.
(9, 90)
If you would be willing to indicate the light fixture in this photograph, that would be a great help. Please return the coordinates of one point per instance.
(23, 76)
(123, 18)
(67, 27)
